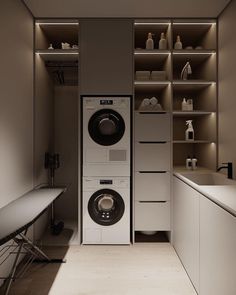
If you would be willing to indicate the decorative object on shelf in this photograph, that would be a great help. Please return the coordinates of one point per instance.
(158, 75)
(188, 163)
(50, 47)
(163, 42)
(189, 48)
(198, 47)
(144, 104)
(187, 70)
(189, 133)
(149, 42)
(194, 163)
(184, 105)
(142, 75)
(178, 43)
(65, 45)
(189, 105)
(154, 105)
(75, 46)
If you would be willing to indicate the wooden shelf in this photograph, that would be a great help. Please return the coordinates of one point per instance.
(191, 142)
(58, 54)
(144, 52)
(191, 113)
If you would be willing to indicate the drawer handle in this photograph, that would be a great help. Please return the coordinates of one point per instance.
(153, 142)
(152, 201)
(144, 113)
(143, 172)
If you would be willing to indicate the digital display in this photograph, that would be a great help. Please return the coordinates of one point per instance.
(106, 102)
(105, 181)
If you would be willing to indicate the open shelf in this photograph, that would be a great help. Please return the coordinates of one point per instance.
(58, 54)
(143, 27)
(195, 33)
(55, 32)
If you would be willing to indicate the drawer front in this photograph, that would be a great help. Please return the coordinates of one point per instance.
(152, 156)
(152, 127)
(152, 216)
(152, 186)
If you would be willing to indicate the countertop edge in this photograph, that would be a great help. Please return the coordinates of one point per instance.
(201, 190)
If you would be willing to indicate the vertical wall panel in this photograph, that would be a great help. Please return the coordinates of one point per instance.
(106, 56)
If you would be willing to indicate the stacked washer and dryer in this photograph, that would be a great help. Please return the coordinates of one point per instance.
(106, 170)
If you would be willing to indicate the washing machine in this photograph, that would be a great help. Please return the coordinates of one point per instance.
(106, 210)
(106, 136)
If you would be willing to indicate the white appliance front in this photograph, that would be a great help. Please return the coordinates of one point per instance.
(106, 210)
(106, 136)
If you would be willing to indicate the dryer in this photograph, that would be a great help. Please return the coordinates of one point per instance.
(106, 210)
(106, 136)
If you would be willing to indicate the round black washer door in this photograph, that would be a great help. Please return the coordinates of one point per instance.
(106, 127)
(106, 207)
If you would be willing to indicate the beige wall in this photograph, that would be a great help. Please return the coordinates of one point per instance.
(16, 106)
(227, 86)
(16, 101)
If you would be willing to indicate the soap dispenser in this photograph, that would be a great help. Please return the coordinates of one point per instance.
(163, 42)
(178, 43)
(189, 133)
(194, 163)
(188, 163)
(184, 105)
(149, 42)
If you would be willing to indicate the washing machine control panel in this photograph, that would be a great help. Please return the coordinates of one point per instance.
(97, 182)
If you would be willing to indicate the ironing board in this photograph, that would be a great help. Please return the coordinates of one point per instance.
(18, 216)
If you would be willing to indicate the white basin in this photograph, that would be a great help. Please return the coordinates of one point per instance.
(209, 179)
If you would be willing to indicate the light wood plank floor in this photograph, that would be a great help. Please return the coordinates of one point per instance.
(141, 269)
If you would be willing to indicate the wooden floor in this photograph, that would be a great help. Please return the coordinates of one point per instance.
(141, 269)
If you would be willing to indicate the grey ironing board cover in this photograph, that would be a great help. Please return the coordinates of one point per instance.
(24, 211)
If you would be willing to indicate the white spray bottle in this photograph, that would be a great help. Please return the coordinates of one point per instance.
(189, 133)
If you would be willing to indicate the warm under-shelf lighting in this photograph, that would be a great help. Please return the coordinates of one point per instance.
(57, 23)
(151, 82)
(189, 82)
(151, 24)
(194, 53)
(56, 53)
(195, 23)
(151, 53)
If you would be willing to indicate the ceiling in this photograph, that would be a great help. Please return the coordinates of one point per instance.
(126, 8)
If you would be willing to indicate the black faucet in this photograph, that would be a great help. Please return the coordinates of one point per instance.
(229, 167)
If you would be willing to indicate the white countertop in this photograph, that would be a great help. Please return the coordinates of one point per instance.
(223, 195)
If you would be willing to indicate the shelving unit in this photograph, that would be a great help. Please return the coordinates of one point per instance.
(56, 113)
(200, 50)
(199, 39)
(62, 64)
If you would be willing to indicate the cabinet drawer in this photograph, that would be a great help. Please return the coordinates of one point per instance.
(152, 186)
(152, 156)
(152, 216)
(152, 127)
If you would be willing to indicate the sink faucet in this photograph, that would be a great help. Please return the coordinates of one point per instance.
(229, 167)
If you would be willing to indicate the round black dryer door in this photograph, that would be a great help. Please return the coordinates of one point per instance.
(106, 127)
(106, 207)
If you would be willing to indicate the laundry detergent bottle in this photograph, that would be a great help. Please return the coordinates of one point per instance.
(189, 133)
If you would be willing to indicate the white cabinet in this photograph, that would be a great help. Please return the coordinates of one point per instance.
(151, 216)
(152, 186)
(152, 126)
(152, 156)
(204, 237)
(186, 228)
(217, 250)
